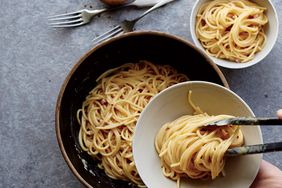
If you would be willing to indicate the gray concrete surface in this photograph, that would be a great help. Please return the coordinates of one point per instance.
(35, 59)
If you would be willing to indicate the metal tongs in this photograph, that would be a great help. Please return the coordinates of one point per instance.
(250, 121)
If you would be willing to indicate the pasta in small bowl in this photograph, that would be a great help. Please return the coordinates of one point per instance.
(172, 147)
(234, 33)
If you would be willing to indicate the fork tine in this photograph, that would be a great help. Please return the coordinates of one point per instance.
(67, 25)
(64, 18)
(65, 14)
(66, 22)
(107, 35)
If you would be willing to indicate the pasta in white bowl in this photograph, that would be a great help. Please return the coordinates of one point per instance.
(166, 115)
(234, 33)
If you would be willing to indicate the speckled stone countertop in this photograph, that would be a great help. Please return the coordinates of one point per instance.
(35, 59)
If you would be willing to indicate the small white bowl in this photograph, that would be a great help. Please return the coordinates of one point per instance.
(171, 104)
(271, 32)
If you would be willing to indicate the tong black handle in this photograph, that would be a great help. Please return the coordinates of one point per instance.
(257, 121)
(253, 149)
(247, 121)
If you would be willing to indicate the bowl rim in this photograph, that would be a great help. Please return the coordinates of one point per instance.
(226, 63)
(85, 56)
(183, 84)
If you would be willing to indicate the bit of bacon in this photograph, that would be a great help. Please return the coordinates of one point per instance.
(253, 16)
(191, 164)
(103, 102)
(237, 61)
(224, 134)
(220, 131)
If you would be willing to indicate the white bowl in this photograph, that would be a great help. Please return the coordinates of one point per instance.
(171, 104)
(271, 32)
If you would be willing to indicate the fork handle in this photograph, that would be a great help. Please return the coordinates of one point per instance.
(159, 4)
(97, 11)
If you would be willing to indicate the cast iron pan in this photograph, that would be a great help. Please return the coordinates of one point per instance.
(155, 47)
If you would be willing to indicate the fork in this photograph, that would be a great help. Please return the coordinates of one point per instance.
(84, 16)
(73, 19)
(127, 25)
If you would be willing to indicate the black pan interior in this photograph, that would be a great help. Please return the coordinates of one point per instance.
(156, 48)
